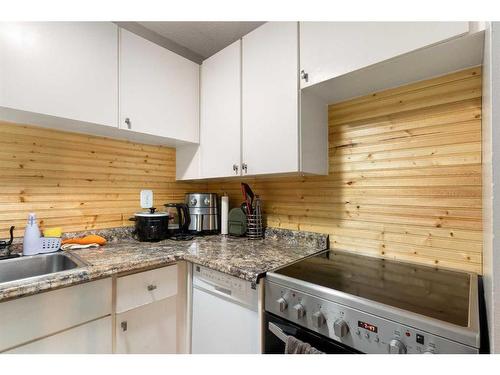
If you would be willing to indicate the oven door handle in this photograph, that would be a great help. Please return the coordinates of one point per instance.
(278, 332)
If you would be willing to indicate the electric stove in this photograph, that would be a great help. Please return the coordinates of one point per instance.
(373, 305)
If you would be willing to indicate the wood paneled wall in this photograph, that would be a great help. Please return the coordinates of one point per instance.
(404, 180)
(77, 181)
(404, 176)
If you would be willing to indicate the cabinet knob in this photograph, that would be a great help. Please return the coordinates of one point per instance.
(152, 287)
(304, 75)
(129, 123)
(244, 167)
(235, 168)
(123, 325)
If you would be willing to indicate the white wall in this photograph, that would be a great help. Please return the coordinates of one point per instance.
(491, 180)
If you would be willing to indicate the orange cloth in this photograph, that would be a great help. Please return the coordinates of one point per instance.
(92, 238)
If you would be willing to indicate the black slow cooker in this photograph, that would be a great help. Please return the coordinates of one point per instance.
(151, 226)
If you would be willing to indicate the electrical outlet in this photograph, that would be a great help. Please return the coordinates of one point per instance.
(146, 198)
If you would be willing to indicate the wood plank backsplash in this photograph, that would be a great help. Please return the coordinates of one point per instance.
(78, 181)
(404, 176)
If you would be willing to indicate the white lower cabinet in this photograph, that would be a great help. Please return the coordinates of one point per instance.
(147, 318)
(151, 328)
(90, 338)
(28, 319)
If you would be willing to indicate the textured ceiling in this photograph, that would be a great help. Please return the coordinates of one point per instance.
(202, 38)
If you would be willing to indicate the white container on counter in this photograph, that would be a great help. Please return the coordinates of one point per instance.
(31, 241)
(224, 213)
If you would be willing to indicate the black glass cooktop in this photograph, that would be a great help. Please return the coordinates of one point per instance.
(440, 294)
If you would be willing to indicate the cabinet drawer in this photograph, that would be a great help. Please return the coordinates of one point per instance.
(30, 318)
(145, 287)
(90, 338)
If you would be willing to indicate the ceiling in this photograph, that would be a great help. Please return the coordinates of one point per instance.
(202, 38)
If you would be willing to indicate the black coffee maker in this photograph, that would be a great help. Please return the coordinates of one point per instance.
(178, 226)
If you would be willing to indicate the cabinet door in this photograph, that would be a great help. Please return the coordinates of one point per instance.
(149, 329)
(220, 113)
(63, 69)
(330, 49)
(90, 338)
(159, 90)
(270, 99)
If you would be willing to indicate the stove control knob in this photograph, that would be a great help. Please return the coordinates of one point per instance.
(318, 319)
(397, 347)
(282, 304)
(340, 328)
(299, 310)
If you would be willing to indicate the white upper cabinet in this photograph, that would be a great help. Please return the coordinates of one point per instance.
(250, 123)
(63, 69)
(159, 90)
(270, 127)
(331, 49)
(221, 113)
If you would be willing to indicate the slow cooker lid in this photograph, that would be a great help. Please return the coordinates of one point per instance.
(151, 213)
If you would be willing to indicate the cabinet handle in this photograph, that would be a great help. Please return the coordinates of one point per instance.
(235, 168)
(304, 75)
(152, 287)
(244, 167)
(123, 325)
(129, 124)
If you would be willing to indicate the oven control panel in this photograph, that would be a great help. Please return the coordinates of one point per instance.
(362, 331)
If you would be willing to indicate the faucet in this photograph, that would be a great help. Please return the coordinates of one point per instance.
(6, 245)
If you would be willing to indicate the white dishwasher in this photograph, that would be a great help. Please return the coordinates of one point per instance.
(225, 316)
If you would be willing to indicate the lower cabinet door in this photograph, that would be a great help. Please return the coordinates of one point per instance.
(151, 328)
(89, 338)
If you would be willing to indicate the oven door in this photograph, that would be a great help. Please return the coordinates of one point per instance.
(276, 327)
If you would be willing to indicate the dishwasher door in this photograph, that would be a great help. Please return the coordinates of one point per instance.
(225, 318)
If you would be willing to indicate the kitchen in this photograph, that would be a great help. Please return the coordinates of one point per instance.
(238, 188)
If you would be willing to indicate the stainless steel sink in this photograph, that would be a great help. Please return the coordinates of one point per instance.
(36, 265)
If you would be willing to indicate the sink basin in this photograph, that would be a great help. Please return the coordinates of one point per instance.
(36, 265)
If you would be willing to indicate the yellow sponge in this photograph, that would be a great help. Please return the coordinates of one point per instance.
(52, 232)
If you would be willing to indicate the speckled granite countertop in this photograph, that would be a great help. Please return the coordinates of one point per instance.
(240, 257)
